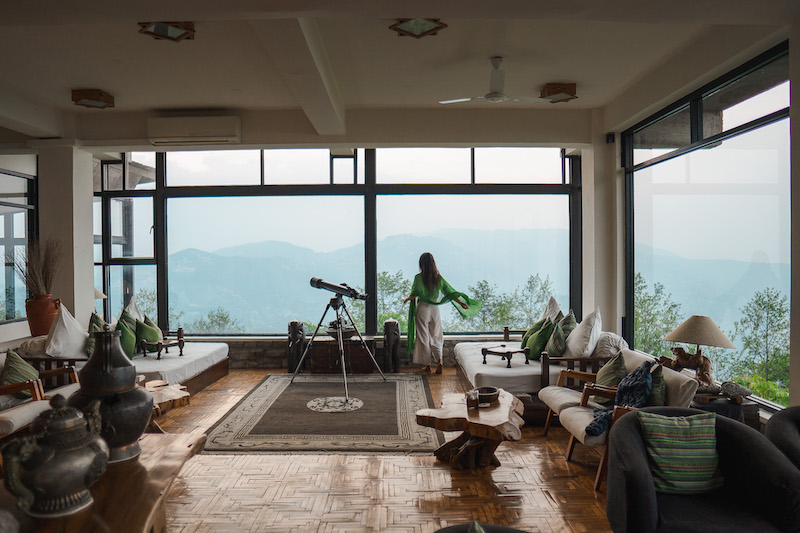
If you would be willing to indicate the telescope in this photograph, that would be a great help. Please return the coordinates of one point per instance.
(343, 289)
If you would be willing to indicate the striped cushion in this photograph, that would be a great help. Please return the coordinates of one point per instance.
(16, 370)
(128, 319)
(609, 375)
(557, 344)
(95, 324)
(658, 395)
(682, 451)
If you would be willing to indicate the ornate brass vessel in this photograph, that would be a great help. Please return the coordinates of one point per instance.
(50, 471)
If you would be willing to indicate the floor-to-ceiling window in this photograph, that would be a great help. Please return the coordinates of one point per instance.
(709, 183)
(226, 241)
(17, 221)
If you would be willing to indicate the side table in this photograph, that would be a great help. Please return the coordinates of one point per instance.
(483, 429)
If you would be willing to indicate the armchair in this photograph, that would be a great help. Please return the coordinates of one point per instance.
(574, 408)
(761, 491)
(16, 413)
(783, 429)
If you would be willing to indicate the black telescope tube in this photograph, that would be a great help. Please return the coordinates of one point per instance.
(344, 290)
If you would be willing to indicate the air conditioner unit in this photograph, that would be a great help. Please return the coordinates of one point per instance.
(166, 131)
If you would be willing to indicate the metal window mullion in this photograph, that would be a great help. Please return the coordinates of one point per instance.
(575, 236)
(160, 235)
(370, 244)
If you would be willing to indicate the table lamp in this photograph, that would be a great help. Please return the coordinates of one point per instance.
(98, 295)
(700, 330)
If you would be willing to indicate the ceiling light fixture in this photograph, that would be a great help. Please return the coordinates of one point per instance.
(94, 98)
(417, 28)
(559, 92)
(171, 31)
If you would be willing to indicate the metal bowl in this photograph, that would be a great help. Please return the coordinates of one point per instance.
(488, 394)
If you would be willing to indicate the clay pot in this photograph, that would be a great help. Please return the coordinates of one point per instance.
(42, 310)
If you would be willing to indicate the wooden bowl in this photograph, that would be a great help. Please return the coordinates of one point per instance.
(488, 394)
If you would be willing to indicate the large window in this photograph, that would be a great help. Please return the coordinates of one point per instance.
(711, 223)
(17, 186)
(226, 242)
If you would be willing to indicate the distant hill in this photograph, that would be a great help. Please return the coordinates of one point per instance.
(242, 279)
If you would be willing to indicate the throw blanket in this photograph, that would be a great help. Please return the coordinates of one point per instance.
(632, 391)
(449, 295)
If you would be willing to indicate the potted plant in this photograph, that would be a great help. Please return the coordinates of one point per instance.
(37, 268)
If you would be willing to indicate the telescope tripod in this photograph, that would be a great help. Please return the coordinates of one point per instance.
(336, 303)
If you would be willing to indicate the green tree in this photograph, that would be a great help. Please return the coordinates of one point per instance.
(529, 301)
(763, 336)
(496, 311)
(146, 300)
(392, 288)
(655, 315)
(218, 321)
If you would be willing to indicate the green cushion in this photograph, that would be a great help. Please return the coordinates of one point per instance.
(531, 330)
(682, 452)
(150, 322)
(609, 375)
(17, 370)
(538, 340)
(146, 332)
(557, 344)
(658, 395)
(128, 339)
(128, 319)
(95, 324)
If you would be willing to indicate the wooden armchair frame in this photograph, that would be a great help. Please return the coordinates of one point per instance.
(54, 376)
(34, 386)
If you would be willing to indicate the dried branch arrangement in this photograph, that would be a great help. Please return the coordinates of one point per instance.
(38, 267)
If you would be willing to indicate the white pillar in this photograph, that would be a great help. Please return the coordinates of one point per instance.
(65, 212)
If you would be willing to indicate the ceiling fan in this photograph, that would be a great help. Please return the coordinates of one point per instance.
(551, 93)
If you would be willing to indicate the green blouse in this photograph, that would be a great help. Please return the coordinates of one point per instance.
(448, 294)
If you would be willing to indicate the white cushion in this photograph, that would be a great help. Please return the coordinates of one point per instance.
(551, 310)
(559, 398)
(67, 338)
(34, 347)
(520, 378)
(583, 339)
(65, 390)
(575, 420)
(609, 344)
(21, 415)
(133, 310)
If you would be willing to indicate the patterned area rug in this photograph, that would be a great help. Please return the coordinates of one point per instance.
(283, 417)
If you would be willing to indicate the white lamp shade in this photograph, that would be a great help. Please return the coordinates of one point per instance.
(98, 295)
(700, 330)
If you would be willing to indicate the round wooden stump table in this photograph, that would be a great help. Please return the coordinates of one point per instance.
(483, 429)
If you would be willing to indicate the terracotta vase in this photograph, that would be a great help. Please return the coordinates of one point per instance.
(42, 310)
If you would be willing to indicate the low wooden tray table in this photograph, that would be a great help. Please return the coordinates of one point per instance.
(505, 352)
(483, 429)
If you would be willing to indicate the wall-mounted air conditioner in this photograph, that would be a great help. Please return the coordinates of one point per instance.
(166, 131)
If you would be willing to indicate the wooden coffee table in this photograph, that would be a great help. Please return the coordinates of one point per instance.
(483, 429)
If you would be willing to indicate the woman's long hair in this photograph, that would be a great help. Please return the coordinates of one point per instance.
(430, 274)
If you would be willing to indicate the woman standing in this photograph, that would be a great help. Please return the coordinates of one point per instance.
(429, 290)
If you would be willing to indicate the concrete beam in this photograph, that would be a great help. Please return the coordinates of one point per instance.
(296, 49)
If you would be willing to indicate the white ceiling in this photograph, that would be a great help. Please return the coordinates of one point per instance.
(326, 57)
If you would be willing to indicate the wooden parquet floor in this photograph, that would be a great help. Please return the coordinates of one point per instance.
(534, 490)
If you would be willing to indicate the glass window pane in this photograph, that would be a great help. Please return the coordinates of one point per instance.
(113, 175)
(360, 165)
(97, 175)
(297, 167)
(20, 221)
(712, 238)
(663, 136)
(216, 167)
(13, 189)
(243, 264)
(517, 165)
(141, 171)
(344, 170)
(97, 229)
(132, 227)
(423, 165)
(472, 254)
(13, 296)
(755, 95)
(127, 281)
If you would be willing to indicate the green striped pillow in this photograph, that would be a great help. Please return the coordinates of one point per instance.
(128, 319)
(682, 451)
(609, 375)
(95, 324)
(17, 370)
(658, 394)
(557, 344)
